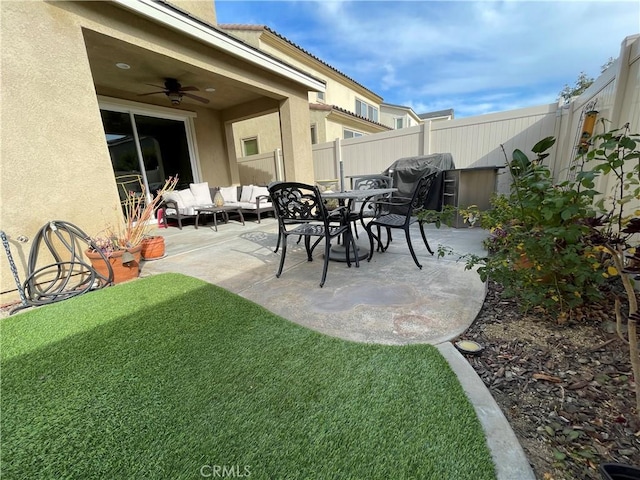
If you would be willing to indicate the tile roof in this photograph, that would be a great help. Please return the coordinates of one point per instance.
(322, 106)
(237, 26)
(438, 113)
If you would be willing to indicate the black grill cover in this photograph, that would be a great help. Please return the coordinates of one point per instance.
(407, 171)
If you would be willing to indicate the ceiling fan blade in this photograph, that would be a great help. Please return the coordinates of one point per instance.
(157, 86)
(189, 89)
(195, 97)
(150, 93)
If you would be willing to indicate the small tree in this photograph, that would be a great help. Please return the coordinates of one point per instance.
(582, 83)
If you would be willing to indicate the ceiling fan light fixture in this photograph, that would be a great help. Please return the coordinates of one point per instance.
(175, 97)
(210, 89)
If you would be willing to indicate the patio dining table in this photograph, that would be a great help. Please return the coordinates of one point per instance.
(346, 197)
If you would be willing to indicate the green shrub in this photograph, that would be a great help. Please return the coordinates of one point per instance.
(546, 237)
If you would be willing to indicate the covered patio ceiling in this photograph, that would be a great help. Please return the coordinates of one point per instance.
(147, 68)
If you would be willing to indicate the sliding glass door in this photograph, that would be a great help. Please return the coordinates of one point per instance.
(145, 150)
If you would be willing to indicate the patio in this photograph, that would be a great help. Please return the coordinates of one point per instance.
(387, 301)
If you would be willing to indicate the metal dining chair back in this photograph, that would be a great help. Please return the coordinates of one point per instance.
(300, 210)
(385, 217)
(361, 210)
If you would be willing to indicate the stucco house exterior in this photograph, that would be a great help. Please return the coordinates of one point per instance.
(79, 108)
(438, 115)
(346, 109)
(398, 116)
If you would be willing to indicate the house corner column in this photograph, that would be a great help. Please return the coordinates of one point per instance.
(296, 140)
(234, 171)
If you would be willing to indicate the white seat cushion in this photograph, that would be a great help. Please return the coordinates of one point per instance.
(184, 199)
(201, 193)
(254, 206)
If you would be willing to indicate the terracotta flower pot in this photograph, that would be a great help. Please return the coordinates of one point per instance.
(122, 270)
(153, 248)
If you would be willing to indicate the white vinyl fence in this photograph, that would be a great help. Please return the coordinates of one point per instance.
(480, 141)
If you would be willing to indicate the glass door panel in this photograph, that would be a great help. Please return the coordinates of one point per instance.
(122, 149)
(165, 150)
(163, 146)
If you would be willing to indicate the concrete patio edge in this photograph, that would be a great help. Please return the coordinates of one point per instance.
(508, 455)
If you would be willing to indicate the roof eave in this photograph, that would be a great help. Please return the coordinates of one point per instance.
(191, 27)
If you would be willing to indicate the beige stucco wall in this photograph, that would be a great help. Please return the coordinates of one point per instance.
(212, 154)
(266, 128)
(389, 114)
(54, 161)
(339, 91)
(294, 118)
(201, 9)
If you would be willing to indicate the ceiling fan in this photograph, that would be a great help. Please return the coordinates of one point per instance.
(175, 91)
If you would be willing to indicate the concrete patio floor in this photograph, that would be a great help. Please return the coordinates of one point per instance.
(388, 300)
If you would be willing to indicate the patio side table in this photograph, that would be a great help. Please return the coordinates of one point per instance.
(224, 210)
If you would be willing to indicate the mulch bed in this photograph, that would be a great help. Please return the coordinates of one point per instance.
(567, 390)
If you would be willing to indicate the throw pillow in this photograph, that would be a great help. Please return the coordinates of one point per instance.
(257, 192)
(174, 197)
(245, 196)
(230, 194)
(188, 200)
(201, 193)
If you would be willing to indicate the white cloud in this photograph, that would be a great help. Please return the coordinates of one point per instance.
(421, 52)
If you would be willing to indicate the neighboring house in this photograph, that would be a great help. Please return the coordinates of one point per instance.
(346, 109)
(438, 115)
(79, 108)
(398, 116)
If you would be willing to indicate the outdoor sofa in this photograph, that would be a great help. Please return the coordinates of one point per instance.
(182, 204)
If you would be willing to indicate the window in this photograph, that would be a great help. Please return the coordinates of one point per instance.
(320, 97)
(367, 111)
(351, 134)
(399, 123)
(314, 134)
(250, 146)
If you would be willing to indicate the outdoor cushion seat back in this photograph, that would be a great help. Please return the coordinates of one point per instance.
(181, 204)
(385, 216)
(250, 198)
(301, 211)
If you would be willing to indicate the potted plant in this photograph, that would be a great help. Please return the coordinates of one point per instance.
(123, 244)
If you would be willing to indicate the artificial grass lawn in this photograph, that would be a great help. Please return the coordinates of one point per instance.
(170, 377)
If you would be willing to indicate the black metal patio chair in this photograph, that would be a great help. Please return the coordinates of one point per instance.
(384, 218)
(301, 212)
(361, 210)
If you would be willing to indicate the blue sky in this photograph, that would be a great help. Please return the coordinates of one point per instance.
(475, 57)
